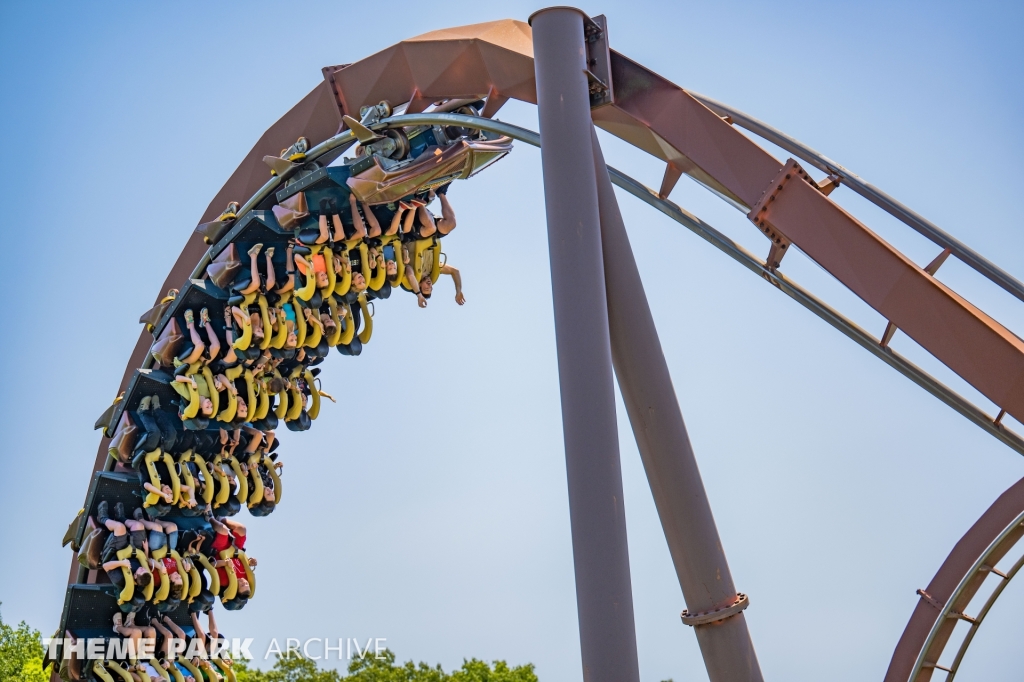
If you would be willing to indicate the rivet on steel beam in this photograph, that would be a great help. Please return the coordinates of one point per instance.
(828, 184)
(930, 599)
(741, 602)
(961, 616)
(775, 254)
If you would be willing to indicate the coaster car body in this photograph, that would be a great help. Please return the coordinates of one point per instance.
(386, 181)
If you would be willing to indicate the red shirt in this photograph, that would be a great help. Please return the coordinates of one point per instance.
(224, 541)
(221, 542)
(239, 569)
(170, 565)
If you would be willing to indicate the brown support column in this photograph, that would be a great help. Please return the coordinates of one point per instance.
(665, 449)
(603, 594)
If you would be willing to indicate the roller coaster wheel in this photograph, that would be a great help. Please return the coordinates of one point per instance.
(402, 145)
(455, 132)
(306, 170)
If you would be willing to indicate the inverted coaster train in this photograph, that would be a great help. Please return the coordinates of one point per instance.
(450, 84)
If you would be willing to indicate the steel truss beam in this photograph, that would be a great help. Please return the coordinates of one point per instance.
(649, 196)
(713, 606)
(876, 196)
(942, 604)
(496, 61)
(723, 243)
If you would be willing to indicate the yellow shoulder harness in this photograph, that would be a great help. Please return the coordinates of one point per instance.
(211, 571)
(367, 332)
(123, 674)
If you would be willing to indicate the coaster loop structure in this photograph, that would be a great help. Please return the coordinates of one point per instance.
(335, 221)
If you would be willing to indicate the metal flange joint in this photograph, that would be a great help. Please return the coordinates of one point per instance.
(739, 604)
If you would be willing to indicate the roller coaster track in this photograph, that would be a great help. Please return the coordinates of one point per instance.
(961, 577)
(876, 196)
(695, 136)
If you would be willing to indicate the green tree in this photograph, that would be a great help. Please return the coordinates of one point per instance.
(21, 654)
(478, 671)
(21, 660)
(384, 669)
(286, 669)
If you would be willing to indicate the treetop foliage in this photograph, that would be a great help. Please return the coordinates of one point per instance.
(384, 669)
(21, 654)
(21, 660)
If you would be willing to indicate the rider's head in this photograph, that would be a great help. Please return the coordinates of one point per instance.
(142, 576)
(358, 282)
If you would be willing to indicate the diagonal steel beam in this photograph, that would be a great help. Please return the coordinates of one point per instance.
(667, 455)
(663, 118)
(876, 196)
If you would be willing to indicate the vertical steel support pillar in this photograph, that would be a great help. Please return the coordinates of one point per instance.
(666, 452)
(600, 555)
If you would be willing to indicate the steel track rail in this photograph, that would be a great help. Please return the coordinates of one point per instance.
(982, 564)
(735, 251)
(876, 196)
(969, 637)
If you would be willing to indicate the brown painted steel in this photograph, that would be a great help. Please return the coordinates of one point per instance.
(849, 179)
(955, 569)
(967, 340)
(467, 61)
(665, 449)
(663, 119)
(377, 185)
(315, 116)
(496, 60)
(604, 596)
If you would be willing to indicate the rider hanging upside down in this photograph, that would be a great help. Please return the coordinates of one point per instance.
(121, 553)
(174, 642)
(194, 379)
(230, 539)
(126, 627)
(257, 285)
(347, 257)
(163, 543)
(421, 246)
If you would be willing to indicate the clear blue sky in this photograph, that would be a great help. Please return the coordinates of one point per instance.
(838, 486)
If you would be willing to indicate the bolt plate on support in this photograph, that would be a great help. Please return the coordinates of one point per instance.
(741, 603)
(599, 61)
